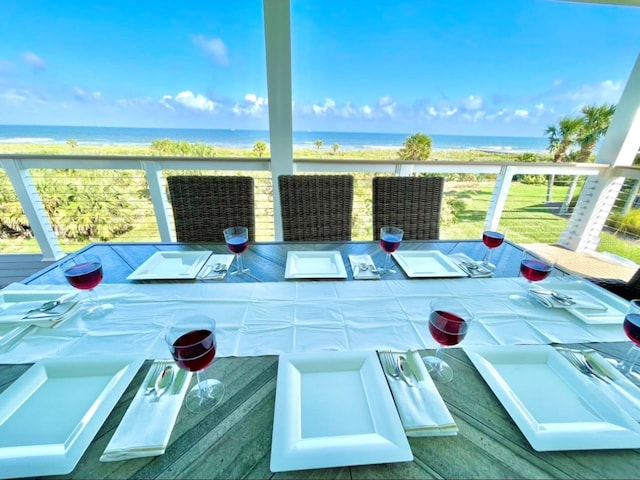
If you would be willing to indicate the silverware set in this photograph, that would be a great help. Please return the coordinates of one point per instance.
(397, 368)
(213, 272)
(163, 378)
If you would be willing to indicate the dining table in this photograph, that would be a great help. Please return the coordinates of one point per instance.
(234, 440)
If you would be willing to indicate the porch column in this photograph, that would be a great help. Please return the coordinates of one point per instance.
(34, 209)
(619, 148)
(499, 197)
(161, 204)
(277, 33)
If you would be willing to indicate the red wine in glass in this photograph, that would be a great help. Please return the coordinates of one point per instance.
(448, 325)
(631, 327)
(492, 239)
(447, 328)
(84, 276)
(84, 272)
(535, 270)
(237, 239)
(390, 238)
(237, 244)
(390, 243)
(193, 346)
(194, 350)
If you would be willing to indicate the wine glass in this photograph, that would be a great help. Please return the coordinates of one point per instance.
(631, 327)
(192, 343)
(448, 325)
(491, 239)
(390, 238)
(237, 239)
(533, 269)
(84, 272)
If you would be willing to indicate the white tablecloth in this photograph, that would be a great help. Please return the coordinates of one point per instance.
(284, 317)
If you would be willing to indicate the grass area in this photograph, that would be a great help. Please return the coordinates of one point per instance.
(527, 217)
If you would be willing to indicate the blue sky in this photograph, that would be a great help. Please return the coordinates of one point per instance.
(469, 67)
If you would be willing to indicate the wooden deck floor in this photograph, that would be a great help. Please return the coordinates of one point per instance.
(15, 267)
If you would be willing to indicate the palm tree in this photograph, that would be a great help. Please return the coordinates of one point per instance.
(561, 138)
(318, 144)
(595, 121)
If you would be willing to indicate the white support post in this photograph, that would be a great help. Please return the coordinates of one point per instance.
(404, 170)
(34, 209)
(619, 148)
(277, 32)
(499, 197)
(160, 201)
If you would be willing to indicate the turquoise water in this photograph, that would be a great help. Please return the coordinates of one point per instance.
(247, 138)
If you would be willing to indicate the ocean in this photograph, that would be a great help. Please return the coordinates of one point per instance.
(36, 134)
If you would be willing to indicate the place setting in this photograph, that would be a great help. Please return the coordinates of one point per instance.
(191, 340)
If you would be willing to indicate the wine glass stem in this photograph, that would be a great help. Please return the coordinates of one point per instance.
(203, 385)
(630, 360)
(239, 262)
(487, 257)
(386, 262)
(93, 298)
(439, 354)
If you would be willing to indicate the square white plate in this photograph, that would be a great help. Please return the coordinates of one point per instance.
(555, 406)
(427, 263)
(334, 409)
(616, 306)
(315, 265)
(12, 332)
(51, 413)
(171, 266)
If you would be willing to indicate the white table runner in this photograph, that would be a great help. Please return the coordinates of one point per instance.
(285, 317)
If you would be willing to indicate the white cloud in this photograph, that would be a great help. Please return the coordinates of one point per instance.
(329, 106)
(607, 91)
(214, 48)
(253, 105)
(34, 61)
(15, 96)
(521, 113)
(84, 96)
(472, 102)
(189, 100)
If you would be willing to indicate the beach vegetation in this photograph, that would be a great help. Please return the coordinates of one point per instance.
(318, 144)
(334, 148)
(72, 142)
(260, 148)
(173, 148)
(415, 147)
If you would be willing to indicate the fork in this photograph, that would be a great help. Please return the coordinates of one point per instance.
(391, 366)
(151, 384)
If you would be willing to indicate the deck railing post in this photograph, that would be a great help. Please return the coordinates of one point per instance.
(499, 197)
(159, 200)
(33, 207)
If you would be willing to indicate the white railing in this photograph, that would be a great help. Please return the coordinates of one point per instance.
(27, 172)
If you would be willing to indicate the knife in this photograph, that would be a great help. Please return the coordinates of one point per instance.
(179, 380)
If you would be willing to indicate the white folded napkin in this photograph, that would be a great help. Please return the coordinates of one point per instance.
(460, 259)
(146, 426)
(21, 313)
(422, 411)
(363, 267)
(208, 270)
(582, 300)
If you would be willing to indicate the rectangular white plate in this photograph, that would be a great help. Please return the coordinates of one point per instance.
(427, 263)
(334, 409)
(616, 306)
(12, 332)
(315, 265)
(49, 416)
(171, 266)
(555, 406)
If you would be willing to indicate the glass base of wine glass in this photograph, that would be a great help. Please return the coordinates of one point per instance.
(98, 311)
(439, 370)
(383, 270)
(204, 395)
(243, 271)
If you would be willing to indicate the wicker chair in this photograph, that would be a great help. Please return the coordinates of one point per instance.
(411, 203)
(203, 206)
(628, 290)
(316, 207)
